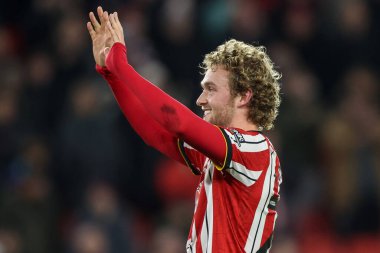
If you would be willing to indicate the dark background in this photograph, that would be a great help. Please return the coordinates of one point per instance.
(75, 178)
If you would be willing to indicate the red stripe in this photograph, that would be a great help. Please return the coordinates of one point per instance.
(234, 204)
(199, 217)
(268, 227)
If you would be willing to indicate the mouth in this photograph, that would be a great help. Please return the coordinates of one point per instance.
(206, 112)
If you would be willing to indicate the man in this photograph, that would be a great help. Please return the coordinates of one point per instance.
(238, 166)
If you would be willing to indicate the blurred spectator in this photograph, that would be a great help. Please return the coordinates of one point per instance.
(30, 206)
(70, 40)
(177, 21)
(35, 101)
(88, 146)
(167, 240)
(298, 124)
(350, 142)
(8, 127)
(299, 21)
(249, 21)
(104, 227)
(89, 238)
(10, 241)
(69, 161)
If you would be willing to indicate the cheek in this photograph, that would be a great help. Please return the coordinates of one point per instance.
(224, 100)
(219, 99)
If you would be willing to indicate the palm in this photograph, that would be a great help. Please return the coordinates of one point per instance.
(98, 47)
(99, 35)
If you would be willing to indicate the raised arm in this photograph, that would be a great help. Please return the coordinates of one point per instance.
(146, 127)
(152, 133)
(169, 113)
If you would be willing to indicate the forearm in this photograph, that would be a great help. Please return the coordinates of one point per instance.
(145, 126)
(156, 102)
(169, 113)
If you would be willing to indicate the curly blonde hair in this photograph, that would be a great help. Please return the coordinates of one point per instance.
(250, 68)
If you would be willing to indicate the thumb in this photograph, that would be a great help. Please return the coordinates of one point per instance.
(105, 52)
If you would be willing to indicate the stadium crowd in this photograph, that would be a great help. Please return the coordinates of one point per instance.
(75, 178)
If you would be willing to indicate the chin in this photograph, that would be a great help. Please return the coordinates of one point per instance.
(210, 121)
(206, 118)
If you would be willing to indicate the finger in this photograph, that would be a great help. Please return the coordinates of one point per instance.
(100, 13)
(118, 21)
(91, 30)
(113, 22)
(94, 22)
(112, 31)
(105, 18)
(116, 26)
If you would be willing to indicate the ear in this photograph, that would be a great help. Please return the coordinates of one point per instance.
(245, 98)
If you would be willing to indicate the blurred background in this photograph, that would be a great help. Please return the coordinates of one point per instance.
(75, 178)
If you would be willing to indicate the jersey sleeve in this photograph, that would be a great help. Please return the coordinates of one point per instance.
(170, 114)
(194, 159)
(247, 155)
(152, 133)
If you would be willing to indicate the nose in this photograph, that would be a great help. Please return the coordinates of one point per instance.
(201, 99)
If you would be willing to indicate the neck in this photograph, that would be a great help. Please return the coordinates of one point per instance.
(240, 120)
(246, 127)
(243, 123)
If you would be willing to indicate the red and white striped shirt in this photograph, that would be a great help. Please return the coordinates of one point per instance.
(235, 204)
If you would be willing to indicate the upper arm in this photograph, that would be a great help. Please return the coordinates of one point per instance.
(208, 139)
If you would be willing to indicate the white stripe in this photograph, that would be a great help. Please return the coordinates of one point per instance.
(206, 233)
(242, 174)
(185, 145)
(189, 246)
(194, 239)
(249, 147)
(266, 210)
(204, 236)
(210, 211)
(194, 232)
(253, 138)
(247, 138)
(257, 227)
(274, 223)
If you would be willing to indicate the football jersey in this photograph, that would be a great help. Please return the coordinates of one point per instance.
(235, 204)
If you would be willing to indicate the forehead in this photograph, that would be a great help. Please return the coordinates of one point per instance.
(217, 76)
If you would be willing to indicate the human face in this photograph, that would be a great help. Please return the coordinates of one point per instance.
(216, 100)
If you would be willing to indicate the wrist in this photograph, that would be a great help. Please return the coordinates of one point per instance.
(101, 69)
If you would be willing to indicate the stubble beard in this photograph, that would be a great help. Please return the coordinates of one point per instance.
(221, 117)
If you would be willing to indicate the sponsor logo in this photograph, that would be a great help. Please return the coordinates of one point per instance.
(238, 137)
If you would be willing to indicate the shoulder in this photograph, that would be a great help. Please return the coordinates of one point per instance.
(253, 141)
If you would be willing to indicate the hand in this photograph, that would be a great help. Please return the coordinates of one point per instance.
(101, 38)
(115, 29)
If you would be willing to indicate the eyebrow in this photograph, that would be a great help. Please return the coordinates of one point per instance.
(207, 84)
